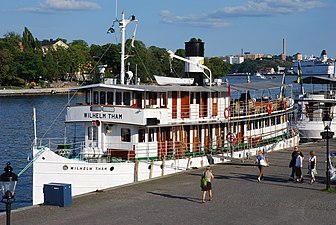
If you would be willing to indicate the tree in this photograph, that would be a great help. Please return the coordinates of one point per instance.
(217, 66)
(29, 42)
(50, 71)
(177, 66)
(80, 59)
(30, 66)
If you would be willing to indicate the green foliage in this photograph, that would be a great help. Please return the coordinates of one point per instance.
(253, 66)
(195, 40)
(217, 66)
(177, 66)
(29, 42)
(23, 65)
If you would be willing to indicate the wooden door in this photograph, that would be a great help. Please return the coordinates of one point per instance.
(214, 104)
(185, 105)
(174, 104)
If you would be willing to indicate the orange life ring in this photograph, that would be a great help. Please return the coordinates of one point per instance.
(231, 137)
(269, 108)
(226, 113)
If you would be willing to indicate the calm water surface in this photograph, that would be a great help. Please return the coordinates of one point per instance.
(17, 132)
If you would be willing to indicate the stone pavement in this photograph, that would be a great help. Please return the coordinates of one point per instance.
(238, 198)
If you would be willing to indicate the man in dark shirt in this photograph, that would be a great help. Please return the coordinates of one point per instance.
(292, 162)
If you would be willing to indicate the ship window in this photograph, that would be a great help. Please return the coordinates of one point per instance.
(95, 97)
(151, 133)
(266, 122)
(110, 96)
(163, 100)
(92, 133)
(125, 135)
(151, 96)
(118, 98)
(272, 121)
(127, 98)
(102, 97)
(88, 97)
(142, 135)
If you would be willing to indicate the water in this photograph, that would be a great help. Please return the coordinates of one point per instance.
(17, 134)
(17, 131)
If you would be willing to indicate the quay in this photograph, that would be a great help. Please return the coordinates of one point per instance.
(238, 198)
(33, 91)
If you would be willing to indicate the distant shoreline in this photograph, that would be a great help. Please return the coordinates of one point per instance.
(33, 91)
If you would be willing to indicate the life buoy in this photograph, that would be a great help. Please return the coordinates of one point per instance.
(269, 108)
(96, 123)
(226, 113)
(231, 137)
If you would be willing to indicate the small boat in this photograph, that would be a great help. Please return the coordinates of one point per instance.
(313, 105)
(161, 80)
(134, 132)
(260, 75)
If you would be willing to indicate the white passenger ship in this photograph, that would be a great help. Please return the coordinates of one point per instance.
(314, 66)
(314, 104)
(138, 132)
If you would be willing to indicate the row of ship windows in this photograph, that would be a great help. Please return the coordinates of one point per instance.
(126, 132)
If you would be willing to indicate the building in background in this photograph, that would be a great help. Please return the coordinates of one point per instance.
(52, 44)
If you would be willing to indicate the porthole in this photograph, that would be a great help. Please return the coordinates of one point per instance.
(65, 167)
(43, 158)
(149, 167)
(111, 168)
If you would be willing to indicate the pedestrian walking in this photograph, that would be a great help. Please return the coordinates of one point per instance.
(206, 187)
(293, 161)
(261, 162)
(312, 166)
(298, 167)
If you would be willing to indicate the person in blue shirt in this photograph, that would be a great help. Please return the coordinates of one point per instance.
(261, 162)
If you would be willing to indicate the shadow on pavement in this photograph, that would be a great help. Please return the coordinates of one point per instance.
(190, 199)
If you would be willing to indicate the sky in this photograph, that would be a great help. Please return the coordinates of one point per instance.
(227, 27)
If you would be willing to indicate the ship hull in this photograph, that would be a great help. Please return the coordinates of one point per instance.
(86, 177)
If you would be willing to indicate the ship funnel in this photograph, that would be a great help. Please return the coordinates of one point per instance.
(324, 56)
(194, 52)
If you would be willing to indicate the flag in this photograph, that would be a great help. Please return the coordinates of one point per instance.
(283, 87)
(283, 90)
(299, 79)
(299, 72)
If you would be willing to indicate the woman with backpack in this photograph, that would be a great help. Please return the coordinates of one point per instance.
(206, 183)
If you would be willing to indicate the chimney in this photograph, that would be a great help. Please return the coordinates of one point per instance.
(283, 55)
(194, 52)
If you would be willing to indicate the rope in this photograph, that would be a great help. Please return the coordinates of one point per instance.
(42, 149)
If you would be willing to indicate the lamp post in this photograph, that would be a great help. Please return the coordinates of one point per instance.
(8, 182)
(327, 134)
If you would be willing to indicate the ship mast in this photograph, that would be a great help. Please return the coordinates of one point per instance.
(122, 25)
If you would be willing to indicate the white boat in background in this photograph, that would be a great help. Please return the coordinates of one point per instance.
(314, 105)
(138, 132)
(313, 66)
(261, 76)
